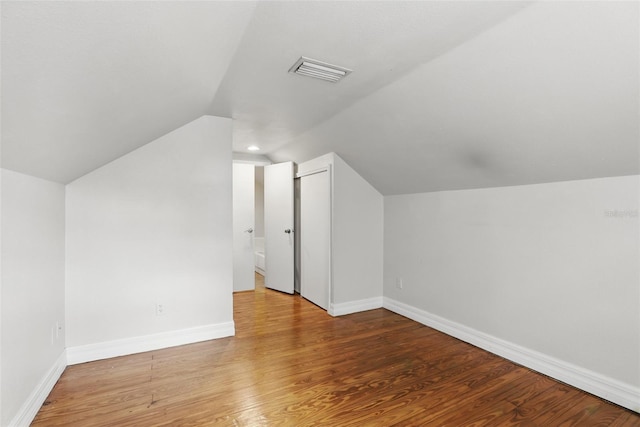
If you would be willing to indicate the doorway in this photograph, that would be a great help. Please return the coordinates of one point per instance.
(243, 226)
(289, 219)
(248, 225)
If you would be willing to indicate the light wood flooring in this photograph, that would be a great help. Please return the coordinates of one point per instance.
(291, 364)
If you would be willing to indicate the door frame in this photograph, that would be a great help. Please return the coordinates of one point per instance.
(243, 227)
(255, 163)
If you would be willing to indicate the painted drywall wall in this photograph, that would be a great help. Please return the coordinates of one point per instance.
(551, 267)
(33, 245)
(153, 227)
(356, 236)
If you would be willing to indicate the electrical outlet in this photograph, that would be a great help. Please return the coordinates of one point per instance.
(399, 282)
(160, 309)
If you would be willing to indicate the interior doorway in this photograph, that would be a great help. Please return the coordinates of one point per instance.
(243, 226)
(248, 224)
(289, 219)
(258, 239)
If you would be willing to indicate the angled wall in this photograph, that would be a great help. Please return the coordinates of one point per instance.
(356, 237)
(546, 275)
(149, 246)
(33, 245)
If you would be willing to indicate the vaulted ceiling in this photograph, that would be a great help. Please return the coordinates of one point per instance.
(444, 95)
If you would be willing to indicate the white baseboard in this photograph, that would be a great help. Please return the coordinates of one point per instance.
(123, 347)
(615, 391)
(32, 405)
(355, 306)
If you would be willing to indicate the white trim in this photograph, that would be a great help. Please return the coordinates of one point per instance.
(123, 347)
(32, 405)
(313, 171)
(250, 158)
(592, 382)
(355, 306)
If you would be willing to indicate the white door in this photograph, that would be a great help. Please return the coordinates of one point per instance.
(315, 232)
(278, 226)
(243, 225)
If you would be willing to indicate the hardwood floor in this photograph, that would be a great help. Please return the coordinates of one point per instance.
(291, 364)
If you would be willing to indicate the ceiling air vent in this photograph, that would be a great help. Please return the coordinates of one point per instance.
(319, 70)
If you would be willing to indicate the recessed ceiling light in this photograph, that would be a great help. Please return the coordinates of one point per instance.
(253, 148)
(319, 70)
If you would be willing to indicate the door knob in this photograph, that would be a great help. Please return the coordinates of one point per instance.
(249, 230)
(288, 231)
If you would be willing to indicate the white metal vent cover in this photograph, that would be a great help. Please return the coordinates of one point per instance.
(319, 70)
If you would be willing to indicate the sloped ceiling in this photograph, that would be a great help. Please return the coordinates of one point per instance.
(380, 41)
(84, 83)
(444, 95)
(550, 94)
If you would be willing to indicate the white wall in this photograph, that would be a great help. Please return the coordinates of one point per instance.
(551, 267)
(356, 239)
(33, 245)
(154, 226)
(357, 235)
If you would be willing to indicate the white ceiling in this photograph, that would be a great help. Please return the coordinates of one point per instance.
(444, 95)
(550, 94)
(85, 82)
(380, 41)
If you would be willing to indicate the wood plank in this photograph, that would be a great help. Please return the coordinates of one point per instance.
(291, 364)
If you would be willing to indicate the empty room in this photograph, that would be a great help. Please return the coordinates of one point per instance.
(320, 213)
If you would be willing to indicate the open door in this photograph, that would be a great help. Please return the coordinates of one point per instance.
(278, 227)
(243, 225)
(315, 240)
